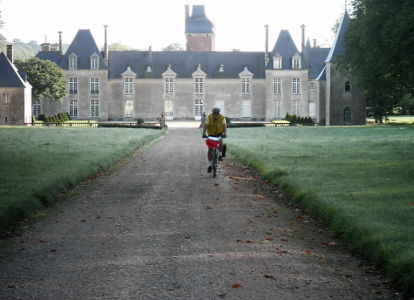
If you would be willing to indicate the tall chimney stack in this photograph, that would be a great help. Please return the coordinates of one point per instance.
(60, 43)
(303, 36)
(187, 12)
(314, 43)
(10, 53)
(106, 51)
(267, 45)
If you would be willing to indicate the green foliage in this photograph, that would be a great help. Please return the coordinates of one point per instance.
(46, 78)
(377, 39)
(140, 121)
(31, 156)
(117, 47)
(68, 116)
(173, 47)
(358, 180)
(228, 120)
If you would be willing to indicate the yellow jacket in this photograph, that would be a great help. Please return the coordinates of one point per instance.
(215, 126)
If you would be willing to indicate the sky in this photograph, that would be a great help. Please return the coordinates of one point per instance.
(240, 24)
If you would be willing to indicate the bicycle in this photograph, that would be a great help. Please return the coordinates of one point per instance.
(214, 142)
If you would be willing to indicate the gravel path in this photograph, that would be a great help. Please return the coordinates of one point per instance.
(160, 227)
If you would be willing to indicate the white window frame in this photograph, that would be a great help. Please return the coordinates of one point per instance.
(199, 85)
(94, 85)
(277, 86)
(73, 108)
(129, 108)
(198, 108)
(245, 108)
(94, 108)
(169, 85)
(128, 85)
(37, 108)
(220, 104)
(73, 85)
(296, 86)
(246, 85)
(169, 108)
(6, 99)
(73, 62)
(296, 107)
(296, 61)
(277, 62)
(277, 109)
(94, 62)
(312, 86)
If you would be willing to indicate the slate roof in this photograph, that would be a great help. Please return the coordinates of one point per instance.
(9, 75)
(185, 63)
(286, 47)
(314, 58)
(338, 46)
(198, 22)
(84, 46)
(53, 56)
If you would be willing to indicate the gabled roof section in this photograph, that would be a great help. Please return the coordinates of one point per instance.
(185, 63)
(314, 59)
(338, 46)
(9, 75)
(198, 22)
(286, 48)
(83, 46)
(52, 56)
(322, 75)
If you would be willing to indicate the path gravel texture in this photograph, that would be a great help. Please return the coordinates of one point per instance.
(160, 227)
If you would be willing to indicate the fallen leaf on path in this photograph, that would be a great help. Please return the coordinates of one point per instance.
(265, 242)
(284, 240)
(249, 241)
(309, 252)
(269, 239)
(375, 292)
(269, 276)
(236, 285)
(43, 241)
(11, 286)
(239, 240)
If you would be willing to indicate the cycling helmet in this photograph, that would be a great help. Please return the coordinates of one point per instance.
(216, 109)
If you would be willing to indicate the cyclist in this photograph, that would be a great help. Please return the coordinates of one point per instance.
(215, 125)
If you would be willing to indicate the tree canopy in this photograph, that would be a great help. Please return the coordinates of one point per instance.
(379, 41)
(46, 78)
(173, 47)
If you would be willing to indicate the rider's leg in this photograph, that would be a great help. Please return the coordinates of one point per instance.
(210, 155)
(221, 146)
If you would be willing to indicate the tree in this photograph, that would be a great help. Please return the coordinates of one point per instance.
(378, 38)
(173, 47)
(46, 78)
(117, 47)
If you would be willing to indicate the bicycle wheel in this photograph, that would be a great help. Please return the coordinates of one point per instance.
(215, 162)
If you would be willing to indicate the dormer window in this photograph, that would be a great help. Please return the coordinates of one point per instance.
(73, 62)
(94, 62)
(199, 77)
(129, 77)
(277, 61)
(149, 68)
(296, 61)
(169, 77)
(246, 79)
(221, 69)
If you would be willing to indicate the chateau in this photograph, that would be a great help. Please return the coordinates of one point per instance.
(127, 85)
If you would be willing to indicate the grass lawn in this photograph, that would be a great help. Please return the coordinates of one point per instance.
(37, 163)
(359, 180)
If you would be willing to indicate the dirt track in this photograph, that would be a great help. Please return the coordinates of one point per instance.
(162, 228)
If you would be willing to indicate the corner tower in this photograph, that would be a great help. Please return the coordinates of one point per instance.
(199, 31)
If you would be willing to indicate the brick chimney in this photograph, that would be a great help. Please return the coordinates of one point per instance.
(60, 43)
(314, 43)
(303, 36)
(10, 53)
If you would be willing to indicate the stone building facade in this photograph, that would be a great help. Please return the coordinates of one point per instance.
(127, 85)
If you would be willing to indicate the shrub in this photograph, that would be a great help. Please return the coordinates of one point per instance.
(33, 119)
(228, 120)
(68, 116)
(140, 121)
(41, 117)
(287, 117)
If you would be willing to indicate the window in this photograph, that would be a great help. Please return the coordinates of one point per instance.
(277, 86)
(199, 109)
(128, 86)
(347, 114)
(73, 108)
(246, 109)
(169, 105)
(296, 63)
(73, 85)
(37, 108)
(129, 108)
(94, 85)
(94, 108)
(6, 99)
(277, 61)
(296, 86)
(245, 85)
(220, 104)
(311, 86)
(347, 87)
(276, 109)
(94, 62)
(199, 86)
(169, 85)
(296, 107)
(73, 62)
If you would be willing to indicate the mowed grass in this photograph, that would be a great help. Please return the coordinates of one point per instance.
(36, 164)
(358, 180)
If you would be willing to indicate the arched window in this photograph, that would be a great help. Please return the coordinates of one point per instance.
(347, 87)
(347, 115)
